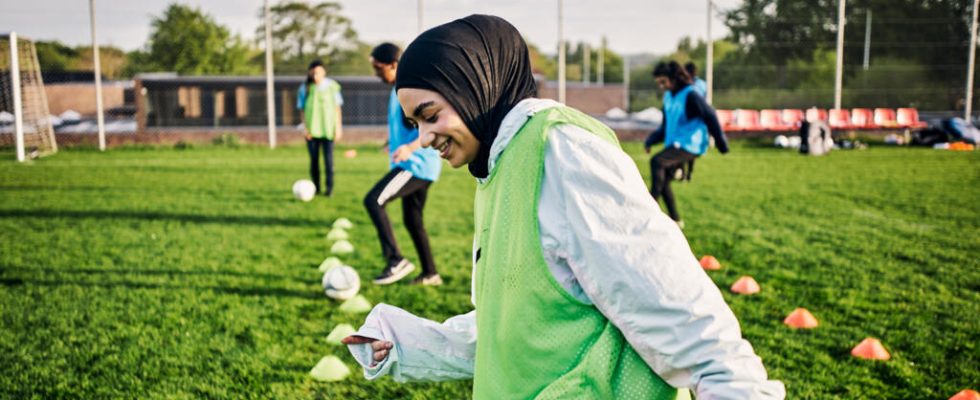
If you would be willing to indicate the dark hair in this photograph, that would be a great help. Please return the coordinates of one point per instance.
(309, 70)
(691, 69)
(386, 53)
(673, 71)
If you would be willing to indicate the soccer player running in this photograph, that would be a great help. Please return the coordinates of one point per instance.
(413, 170)
(687, 122)
(583, 288)
(700, 85)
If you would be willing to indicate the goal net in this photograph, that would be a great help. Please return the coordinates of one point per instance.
(24, 121)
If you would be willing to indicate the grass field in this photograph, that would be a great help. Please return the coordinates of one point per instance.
(165, 273)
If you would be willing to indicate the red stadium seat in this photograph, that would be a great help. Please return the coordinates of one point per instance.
(726, 118)
(816, 114)
(792, 118)
(885, 118)
(840, 119)
(747, 120)
(863, 118)
(909, 118)
(772, 120)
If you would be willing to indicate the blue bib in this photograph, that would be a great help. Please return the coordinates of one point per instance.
(424, 162)
(688, 134)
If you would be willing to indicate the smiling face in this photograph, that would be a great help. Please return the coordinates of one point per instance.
(440, 127)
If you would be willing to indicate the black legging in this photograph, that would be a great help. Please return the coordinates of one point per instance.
(313, 146)
(662, 166)
(399, 183)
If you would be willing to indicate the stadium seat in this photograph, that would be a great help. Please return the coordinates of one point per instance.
(839, 119)
(726, 118)
(909, 118)
(816, 114)
(885, 118)
(863, 118)
(772, 120)
(747, 120)
(792, 118)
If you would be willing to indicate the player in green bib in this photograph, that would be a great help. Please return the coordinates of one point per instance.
(582, 287)
(320, 100)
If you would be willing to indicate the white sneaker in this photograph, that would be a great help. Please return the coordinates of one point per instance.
(394, 272)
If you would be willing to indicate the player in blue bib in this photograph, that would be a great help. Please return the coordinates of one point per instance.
(412, 170)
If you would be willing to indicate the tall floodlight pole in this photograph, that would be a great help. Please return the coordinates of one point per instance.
(420, 15)
(586, 61)
(601, 63)
(16, 94)
(968, 112)
(270, 99)
(838, 83)
(561, 51)
(626, 82)
(709, 73)
(98, 77)
(867, 41)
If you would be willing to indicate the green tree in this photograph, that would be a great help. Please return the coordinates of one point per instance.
(188, 41)
(302, 31)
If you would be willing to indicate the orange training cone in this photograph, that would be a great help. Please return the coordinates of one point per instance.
(350, 153)
(800, 318)
(710, 263)
(870, 349)
(966, 394)
(746, 285)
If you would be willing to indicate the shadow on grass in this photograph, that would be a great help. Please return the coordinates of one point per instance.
(160, 216)
(245, 291)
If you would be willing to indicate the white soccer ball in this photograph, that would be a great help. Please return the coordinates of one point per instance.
(341, 283)
(781, 141)
(304, 190)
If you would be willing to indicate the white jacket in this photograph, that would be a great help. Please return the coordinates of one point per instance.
(608, 243)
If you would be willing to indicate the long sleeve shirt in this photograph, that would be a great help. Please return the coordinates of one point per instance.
(618, 252)
(695, 107)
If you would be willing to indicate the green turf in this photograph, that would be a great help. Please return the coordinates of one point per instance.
(163, 273)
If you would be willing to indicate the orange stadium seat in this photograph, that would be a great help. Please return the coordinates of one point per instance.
(772, 120)
(747, 120)
(840, 119)
(726, 118)
(863, 118)
(816, 114)
(885, 118)
(792, 117)
(909, 118)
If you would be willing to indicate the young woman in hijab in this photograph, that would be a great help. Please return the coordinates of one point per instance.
(688, 120)
(582, 287)
(320, 100)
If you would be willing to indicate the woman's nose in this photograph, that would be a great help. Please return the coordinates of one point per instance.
(426, 137)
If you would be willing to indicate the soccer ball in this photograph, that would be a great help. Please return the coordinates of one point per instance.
(304, 190)
(782, 141)
(341, 283)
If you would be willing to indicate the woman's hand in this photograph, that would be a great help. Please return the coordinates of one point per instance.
(402, 153)
(380, 347)
(309, 137)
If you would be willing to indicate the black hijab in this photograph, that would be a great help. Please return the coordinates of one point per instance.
(480, 64)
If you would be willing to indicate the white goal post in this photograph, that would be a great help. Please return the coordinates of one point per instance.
(24, 118)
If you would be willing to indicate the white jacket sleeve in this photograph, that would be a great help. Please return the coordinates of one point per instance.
(424, 350)
(635, 265)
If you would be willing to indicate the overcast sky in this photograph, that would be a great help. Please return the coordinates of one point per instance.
(631, 26)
